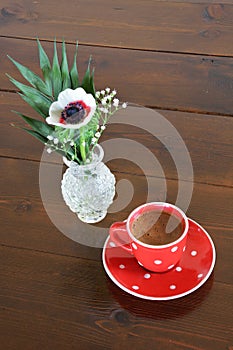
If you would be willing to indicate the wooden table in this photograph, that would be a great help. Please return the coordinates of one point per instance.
(172, 56)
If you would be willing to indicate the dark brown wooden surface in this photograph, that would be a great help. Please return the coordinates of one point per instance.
(180, 26)
(175, 57)
(186, 82)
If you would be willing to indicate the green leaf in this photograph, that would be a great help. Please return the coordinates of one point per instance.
(44, 140)
(92, 85)
(66, 83)
(88, 80)
(56, 74)
(74, 70)
(37, 135)
(45, 67)
(39, 99)
(33, 105)
(31, 77)
(39, 126)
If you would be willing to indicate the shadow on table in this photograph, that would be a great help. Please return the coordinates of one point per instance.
(161, 309)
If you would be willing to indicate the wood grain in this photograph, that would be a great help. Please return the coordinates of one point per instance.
(182, 26)
(44, 294)
(168, 81)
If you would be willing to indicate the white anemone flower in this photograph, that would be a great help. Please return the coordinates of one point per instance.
(73, 109)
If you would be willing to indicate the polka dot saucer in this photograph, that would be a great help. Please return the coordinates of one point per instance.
(191, 272)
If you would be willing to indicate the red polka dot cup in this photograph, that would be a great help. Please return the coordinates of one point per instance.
(156, 258)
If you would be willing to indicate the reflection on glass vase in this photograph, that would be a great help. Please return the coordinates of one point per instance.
(89, 189)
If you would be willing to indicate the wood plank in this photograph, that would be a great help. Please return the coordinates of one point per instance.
(21, 177)
(61, 298)
(168, 81)
(207, 2)
(210, 152)
(199, 27)
(25, 223)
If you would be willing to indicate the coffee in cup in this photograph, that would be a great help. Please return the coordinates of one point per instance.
(157, 228)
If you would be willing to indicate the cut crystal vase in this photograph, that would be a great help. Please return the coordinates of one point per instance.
(89, 189)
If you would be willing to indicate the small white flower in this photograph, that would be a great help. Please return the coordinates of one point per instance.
(72, 143)
(114, 92)
(124, 105)
(104, 101)
(105, 110)
(115, 102)
(49, 150)
(55, 141)
(50, 137)
(103, 92)
(107, 90)
(97, 134)
(93, 140)
(97, 94)
(87, 161)
(103, 127)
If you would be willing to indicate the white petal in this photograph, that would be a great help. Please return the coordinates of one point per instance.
(89, 100)
(55, 110)
(51, 121)
(69, 95)
(65, 97)
(79, 93)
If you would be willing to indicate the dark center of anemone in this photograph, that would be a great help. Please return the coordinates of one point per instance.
(74, 113)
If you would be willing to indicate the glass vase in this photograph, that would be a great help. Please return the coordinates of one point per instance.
(89, 189)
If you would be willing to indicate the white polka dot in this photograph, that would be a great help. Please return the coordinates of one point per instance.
(172, 287)
(193, 252)
(135, 287)
(170, 267)
(178, 268)
(158, 262)
(122, 266)
(112, 244)
(147, 275)
(184, 248)
(200, 275)
(174, 249)
(134, 246)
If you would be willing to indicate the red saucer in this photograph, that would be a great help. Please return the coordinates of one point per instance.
(188, 275)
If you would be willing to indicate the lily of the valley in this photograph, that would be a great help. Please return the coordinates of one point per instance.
(73, 109)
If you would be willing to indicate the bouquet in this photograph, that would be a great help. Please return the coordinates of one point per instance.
(74, 114)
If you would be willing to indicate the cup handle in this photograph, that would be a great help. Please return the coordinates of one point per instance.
(119, 235)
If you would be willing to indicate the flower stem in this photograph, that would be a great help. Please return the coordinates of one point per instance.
(82, 145)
